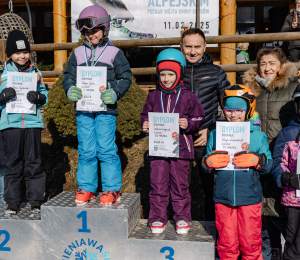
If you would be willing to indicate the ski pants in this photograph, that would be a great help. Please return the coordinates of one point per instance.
(96, 140)
(15, 141)
(275, 227)
(239, 231)
(169, 179)
(292, 242)
(207, 183)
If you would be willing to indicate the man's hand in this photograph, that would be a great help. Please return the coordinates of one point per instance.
(146, 127)
(183, 123)
(202, 140)
(294, 25)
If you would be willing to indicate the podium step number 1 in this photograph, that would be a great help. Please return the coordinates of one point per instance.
(66, 231)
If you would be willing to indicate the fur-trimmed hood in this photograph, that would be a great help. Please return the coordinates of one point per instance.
(285, 76)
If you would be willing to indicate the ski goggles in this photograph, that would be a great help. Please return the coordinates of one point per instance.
(90, 23)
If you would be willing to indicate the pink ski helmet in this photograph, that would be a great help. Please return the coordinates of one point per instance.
(91, 17)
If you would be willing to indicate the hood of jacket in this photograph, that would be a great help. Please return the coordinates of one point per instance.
(206, 59)
(286, 75)
(294, 121)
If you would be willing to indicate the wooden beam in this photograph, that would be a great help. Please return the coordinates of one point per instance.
(259, 37)
(228, 28)
(60, 32)
(152, 70)
(2, 50)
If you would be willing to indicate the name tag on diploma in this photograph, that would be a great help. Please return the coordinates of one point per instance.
(92, 81)
(163, 134)
(22, 83)
(232, 137)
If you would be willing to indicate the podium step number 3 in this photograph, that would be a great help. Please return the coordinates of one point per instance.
(66, 231)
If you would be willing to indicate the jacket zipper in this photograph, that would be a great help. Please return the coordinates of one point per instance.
(93, 56)
(187, 142)
(169, 104)
(233, 188)
(23, 121)
(266, 111)
(192, 79)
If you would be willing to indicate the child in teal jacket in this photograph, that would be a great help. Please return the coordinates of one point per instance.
(238, 193)
(22, 132)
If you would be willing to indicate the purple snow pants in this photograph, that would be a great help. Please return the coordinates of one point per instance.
(169, 179)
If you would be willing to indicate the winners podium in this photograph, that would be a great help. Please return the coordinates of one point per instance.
(66, 231)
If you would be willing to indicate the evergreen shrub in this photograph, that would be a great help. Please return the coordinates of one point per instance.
(59, 112)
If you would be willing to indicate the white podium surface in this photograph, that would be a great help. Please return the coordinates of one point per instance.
(66, 231)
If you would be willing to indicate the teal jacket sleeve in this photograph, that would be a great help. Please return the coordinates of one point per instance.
(264, 149)
(211, 144)
(122, 74)
(3, 84)
(42, 89)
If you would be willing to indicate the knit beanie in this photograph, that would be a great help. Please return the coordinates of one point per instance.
(296, 1)
(234, 103)
(16, 42)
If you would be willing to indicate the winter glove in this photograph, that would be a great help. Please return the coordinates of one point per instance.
(74, 93)
(245, 159)
(290, 179)
(216, 159)
(109, 96)
(6, 95)
(36, 97)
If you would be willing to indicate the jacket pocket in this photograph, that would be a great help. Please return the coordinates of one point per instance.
(12, 118)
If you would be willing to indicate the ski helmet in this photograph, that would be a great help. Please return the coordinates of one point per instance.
(92, 17)
(296, 99)
(171, 59)
(241, 91)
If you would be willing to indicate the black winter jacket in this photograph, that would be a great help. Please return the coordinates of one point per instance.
(208, 82)
(287, 27)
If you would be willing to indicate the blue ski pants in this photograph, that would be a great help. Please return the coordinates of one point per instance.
(96, 138)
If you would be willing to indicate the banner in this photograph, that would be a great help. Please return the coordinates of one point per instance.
(22, 83)
(163, 134)
(147, 19)
(92, 81)
(232, 137)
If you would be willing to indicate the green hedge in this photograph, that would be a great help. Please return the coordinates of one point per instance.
(60, 119)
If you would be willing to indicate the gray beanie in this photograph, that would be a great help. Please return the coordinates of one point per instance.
(296, 1)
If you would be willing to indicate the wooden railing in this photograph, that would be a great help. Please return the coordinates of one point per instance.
(263, 37)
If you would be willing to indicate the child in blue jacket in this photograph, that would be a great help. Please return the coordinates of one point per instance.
(238, 193)
(22, 131)
(96, 130)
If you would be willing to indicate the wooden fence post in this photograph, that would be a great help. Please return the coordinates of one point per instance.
(228, 27)
(60, 31)
(2, 50)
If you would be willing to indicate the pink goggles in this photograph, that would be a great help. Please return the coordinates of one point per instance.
(90, 23)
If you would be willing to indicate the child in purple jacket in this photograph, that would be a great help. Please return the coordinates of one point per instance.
(169, 176)
(287, 147)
